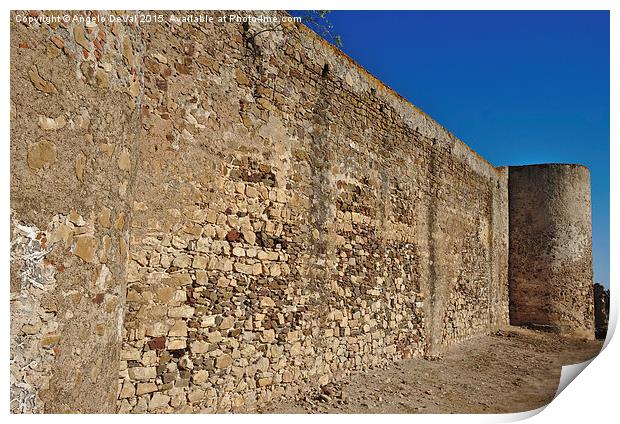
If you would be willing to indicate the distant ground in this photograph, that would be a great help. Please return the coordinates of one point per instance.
(512, 371)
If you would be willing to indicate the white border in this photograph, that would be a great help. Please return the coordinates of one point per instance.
(592, 397)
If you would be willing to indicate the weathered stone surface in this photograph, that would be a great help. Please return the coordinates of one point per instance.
(184, 311)
(86, 247)
(142, 373)
(551, 248)
(41, 154)
(267, 302)
(176, 344)
(227, 323)
(233, 235)
(57, 41)
(124, 161)
(158, 401)
(104, 217)
(200, 377)
(223, 361)
(127, 391)
(179, 329)
(200, 347)
(601, 310)
(80, 38)
(157, 343)
(269, 227)
(214, 336)
(80, 166)
(128, 51)
(146, 388)
(52, 124)
(40, 83)
(257, 233)
(102, 78)
(50, 340)
(63, 117)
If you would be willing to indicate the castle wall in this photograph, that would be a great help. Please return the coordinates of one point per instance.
(294, 220)
(601, 311)
(205, 219)
(550, 271)
(74, 127)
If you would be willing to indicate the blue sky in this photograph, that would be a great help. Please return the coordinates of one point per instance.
(519, 87)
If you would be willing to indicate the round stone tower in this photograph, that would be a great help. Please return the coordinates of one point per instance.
(550, 248)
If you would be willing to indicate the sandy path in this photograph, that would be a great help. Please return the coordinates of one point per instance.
(514, 370)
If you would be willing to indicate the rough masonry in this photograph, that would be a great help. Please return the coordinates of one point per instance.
(601, 311)
(207, 217)
(551, 242)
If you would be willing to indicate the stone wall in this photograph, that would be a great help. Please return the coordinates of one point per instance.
(208, 217)
(601, 311)
(74, 124)
(550, 271)
(294, 220)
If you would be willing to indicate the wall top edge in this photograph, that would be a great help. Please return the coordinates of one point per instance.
(408, 111)
(549, 165)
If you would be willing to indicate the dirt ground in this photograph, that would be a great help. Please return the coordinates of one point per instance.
(513, 370)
